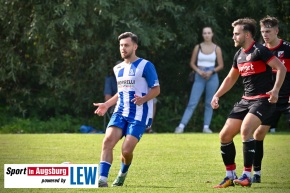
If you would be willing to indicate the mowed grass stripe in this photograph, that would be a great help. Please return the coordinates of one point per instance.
(162, 162)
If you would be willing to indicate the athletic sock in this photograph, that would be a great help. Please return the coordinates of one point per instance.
(124, 168)
(257, 173)
(247, 173)
(228, 151)
(249, 152)
(104, 170)
(103, 178)
(231, 173)
(259, 153)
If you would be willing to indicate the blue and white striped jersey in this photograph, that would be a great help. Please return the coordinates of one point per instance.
(135, 78)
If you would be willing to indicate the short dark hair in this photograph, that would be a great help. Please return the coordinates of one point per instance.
(248, 24)
(124, 35)
(269, 21)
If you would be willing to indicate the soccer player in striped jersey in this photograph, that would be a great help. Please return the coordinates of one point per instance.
(253, 62)
(281, 49)
(138, 84)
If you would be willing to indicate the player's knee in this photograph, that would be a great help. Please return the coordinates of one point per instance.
(225, 137)
(126, 153)
(261, 132)
(109, 143)
(259, 135)
(246, 134)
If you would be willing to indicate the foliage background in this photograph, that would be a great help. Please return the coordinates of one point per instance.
(54, 56)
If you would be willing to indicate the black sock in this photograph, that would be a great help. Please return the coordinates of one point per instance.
(259, 153)
(228, 151)
(249, 152)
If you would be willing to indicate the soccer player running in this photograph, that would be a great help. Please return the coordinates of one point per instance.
(137, 85)
(253, 62)
(281, 49)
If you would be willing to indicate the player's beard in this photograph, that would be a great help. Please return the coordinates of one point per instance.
(239, 43)
(127, 55)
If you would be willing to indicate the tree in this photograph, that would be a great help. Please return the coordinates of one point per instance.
(54, 55)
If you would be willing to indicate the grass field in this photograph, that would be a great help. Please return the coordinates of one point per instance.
(162, 162)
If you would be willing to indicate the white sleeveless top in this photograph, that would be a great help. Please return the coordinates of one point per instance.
(206, 60)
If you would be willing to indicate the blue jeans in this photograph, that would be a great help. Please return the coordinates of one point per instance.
(200, 84)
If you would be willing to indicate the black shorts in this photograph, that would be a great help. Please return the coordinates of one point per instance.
(282, 107)
(259, 107)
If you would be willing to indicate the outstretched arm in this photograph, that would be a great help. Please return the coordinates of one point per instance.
(103, 107)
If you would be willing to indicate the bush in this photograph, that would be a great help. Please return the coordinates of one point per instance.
(64, 124)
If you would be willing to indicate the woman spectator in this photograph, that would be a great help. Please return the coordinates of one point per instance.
(203, 62)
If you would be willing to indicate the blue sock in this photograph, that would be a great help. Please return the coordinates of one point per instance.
(124, 168)
(104, 168)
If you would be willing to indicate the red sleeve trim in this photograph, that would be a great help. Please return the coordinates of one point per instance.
(271, 59)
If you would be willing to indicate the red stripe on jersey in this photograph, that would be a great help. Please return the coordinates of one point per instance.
(256, 97)
(250, 68)
(286, 62)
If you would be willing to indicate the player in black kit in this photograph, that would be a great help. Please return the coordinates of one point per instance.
(254, 62)
(281, 49)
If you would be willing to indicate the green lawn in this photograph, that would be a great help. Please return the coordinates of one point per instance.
(162, 162)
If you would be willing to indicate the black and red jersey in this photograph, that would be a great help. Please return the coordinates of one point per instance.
(282, 51)
(256, 74)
